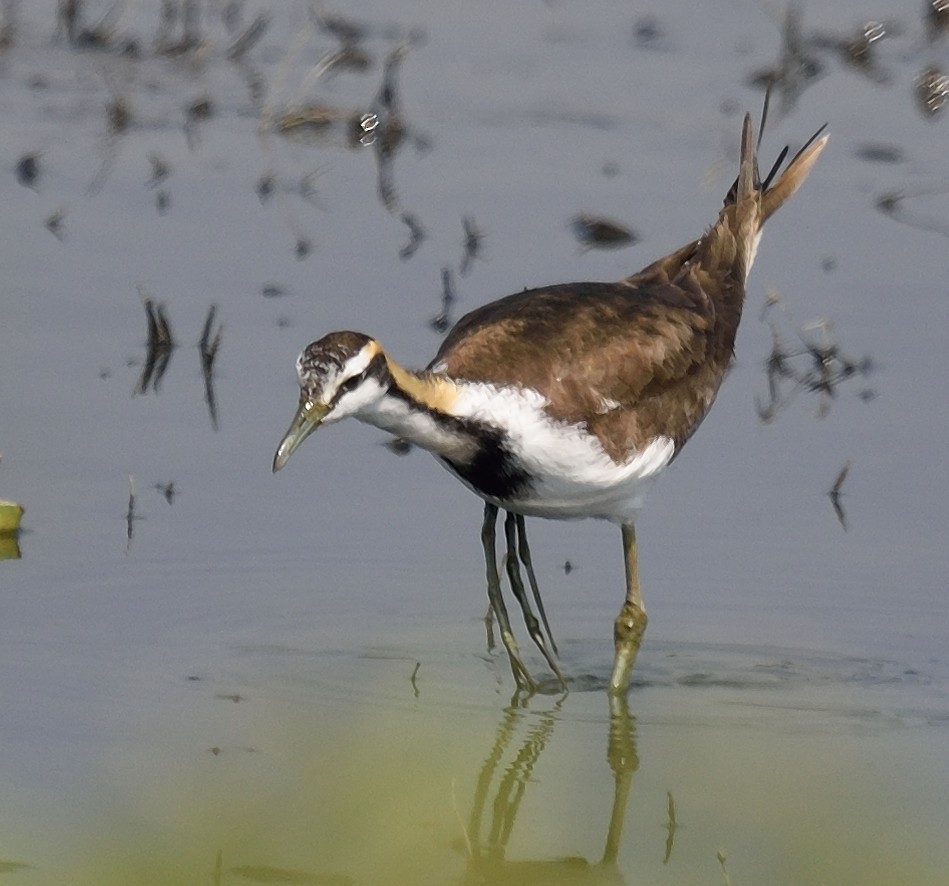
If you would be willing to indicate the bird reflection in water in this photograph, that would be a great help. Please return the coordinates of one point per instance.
(488, 834)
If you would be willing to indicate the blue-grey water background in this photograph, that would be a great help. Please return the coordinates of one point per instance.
(278, 677)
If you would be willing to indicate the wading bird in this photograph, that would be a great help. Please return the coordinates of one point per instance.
(569, 400)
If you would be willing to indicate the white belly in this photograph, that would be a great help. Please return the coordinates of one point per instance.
(571, 474)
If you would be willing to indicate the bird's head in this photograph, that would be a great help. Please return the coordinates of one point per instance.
(340, 375)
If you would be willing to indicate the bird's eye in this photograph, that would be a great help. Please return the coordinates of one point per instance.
(350, 384)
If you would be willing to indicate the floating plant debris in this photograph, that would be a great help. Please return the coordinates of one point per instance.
(265, 186)
(10, 514)
(814, 364)
(208, 346)
(937, 17)
(932, 90)
(797, 66)
(442, 320)
(249, 37)
(596, 232)
(416, 235)
(54, 223)
(200, 109)
(474, 237)
(118, 113)
(160, 167)
(160, 344)
(834, 493)
(858, 47)
(671, 826)
(893, 204)
(28, 169)
(303, 248)
(877, 152)
(648, 33)
(167, 491)
(315, 116)
(130, 515)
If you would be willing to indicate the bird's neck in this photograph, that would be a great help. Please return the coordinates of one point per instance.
(728, 249)
(417, 406)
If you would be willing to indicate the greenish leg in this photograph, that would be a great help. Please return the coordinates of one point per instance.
(522, 676)
(630, 624)
(523, 549)
(517, 586)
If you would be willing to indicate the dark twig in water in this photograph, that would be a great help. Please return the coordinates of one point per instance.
(932, 89)
(442, 320)
(937, 18)
(474, 237)
(892, 204)
(209, 347)
(384, 128)
(249, 37)
(671, 826)
(99, 36)
(54, 223)
(834, 493)
(265, 186)
(412, 679)
(130, 515)
(161, 169)
(190, 15)
(160, 344)
(388, 130)
(416, 235)
(594, 232)
(8, 24)
(167, 491)
(720, 855)
(858, 50)
(304, 246)
(28, 169)
(118, 114)
(815, 365)
(796, 67)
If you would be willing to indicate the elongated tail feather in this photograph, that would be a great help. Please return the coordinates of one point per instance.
(747, 171)
(793, 177)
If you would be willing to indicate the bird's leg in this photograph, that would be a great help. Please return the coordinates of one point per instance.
(488, 536)
(524, 551)
(630, 624)
(517, 586)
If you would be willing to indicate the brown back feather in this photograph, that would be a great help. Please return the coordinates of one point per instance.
(640, 357)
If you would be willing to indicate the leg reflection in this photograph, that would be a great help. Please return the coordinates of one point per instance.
(507, 773)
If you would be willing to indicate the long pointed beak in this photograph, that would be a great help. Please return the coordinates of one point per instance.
(308, 418)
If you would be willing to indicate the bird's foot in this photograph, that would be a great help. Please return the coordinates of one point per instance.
(628, 630)
(522, 677)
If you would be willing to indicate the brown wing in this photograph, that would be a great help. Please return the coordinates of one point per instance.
(612, 355)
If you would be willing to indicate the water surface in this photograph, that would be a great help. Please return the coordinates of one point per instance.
(285, 679)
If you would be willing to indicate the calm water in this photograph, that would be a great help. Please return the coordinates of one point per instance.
(285, 679)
